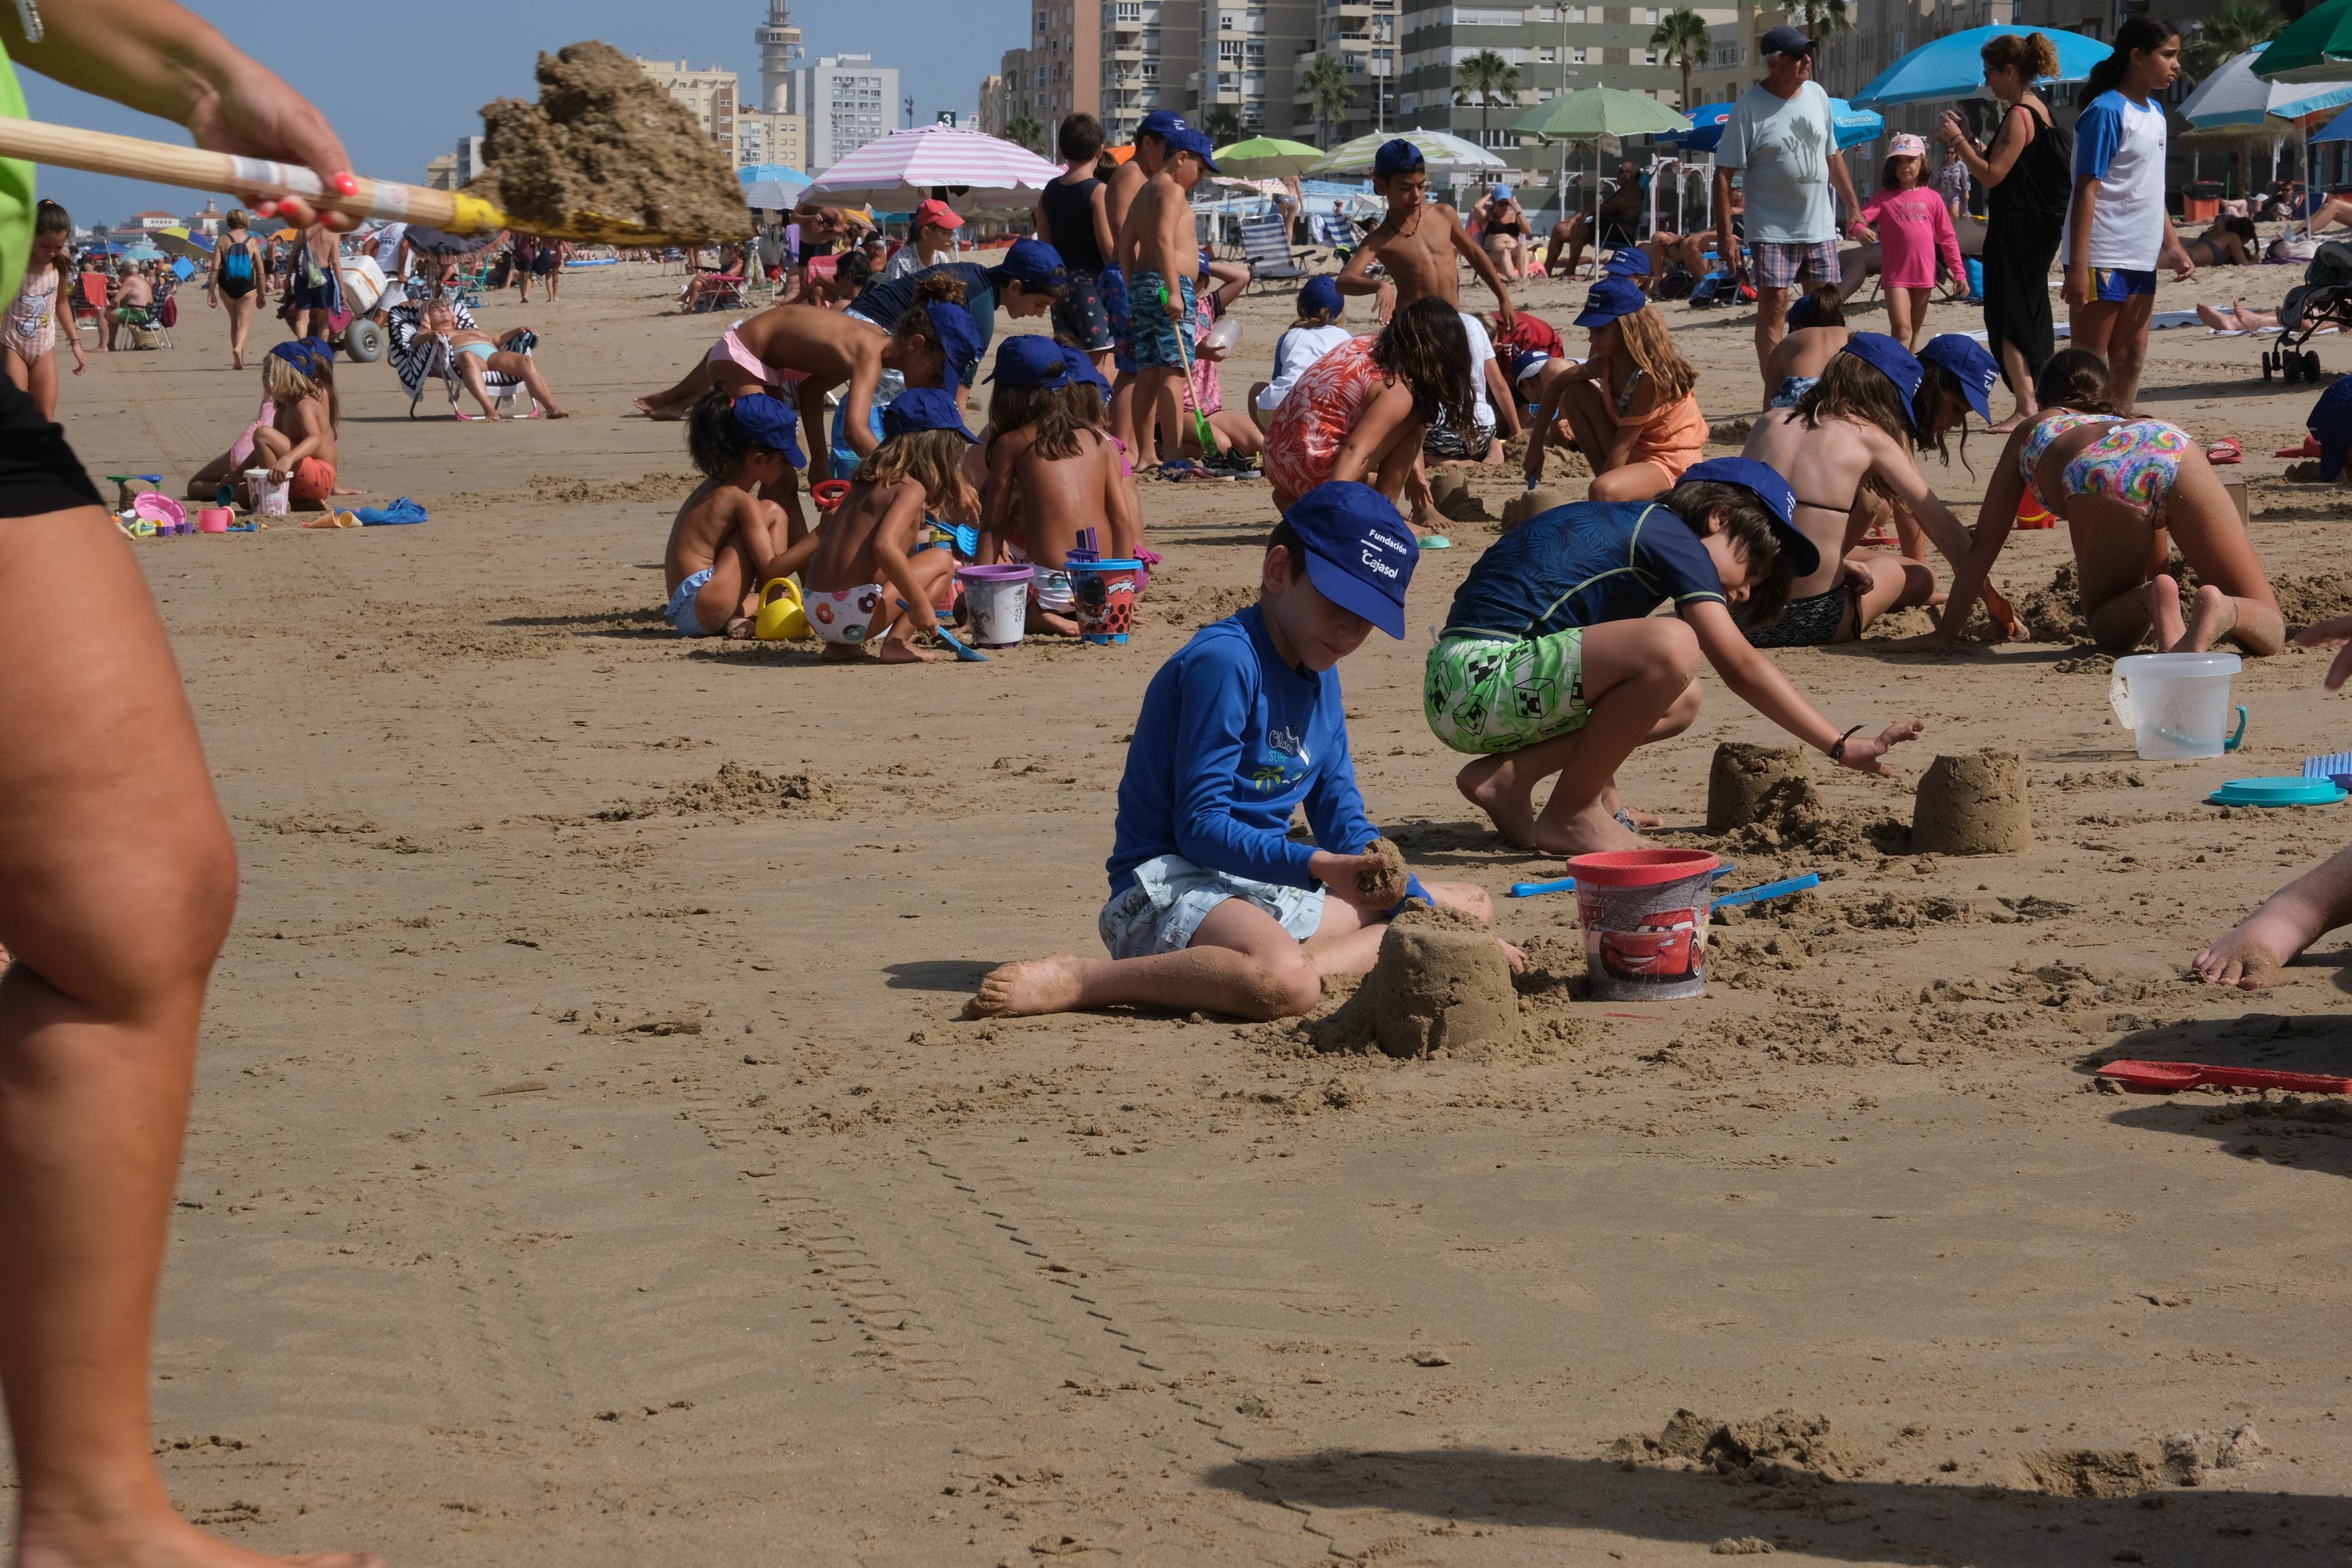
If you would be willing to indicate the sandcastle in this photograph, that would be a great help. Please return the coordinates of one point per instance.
(1973, 805)
(1742, 775)
(1542, 499)
(1441, 983)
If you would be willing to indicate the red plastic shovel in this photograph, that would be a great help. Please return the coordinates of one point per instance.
(2166, 1078)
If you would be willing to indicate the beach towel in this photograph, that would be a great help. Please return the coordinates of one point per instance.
(403, 511)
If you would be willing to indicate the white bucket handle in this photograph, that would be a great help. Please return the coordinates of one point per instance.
(2119, 698)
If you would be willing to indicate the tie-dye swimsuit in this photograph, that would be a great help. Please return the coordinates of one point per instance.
(2136, 461)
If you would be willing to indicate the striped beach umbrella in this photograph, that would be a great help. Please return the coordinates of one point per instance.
(972, 169)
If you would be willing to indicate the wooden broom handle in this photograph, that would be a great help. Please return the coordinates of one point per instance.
(99, 152)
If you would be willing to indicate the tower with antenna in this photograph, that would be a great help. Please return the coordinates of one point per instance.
(780, 49)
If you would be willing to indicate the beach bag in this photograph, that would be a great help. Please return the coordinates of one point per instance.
(237, 267)
(314, 277)
(169, 315)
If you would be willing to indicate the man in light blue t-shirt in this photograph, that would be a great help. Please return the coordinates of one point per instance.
(1780, 133)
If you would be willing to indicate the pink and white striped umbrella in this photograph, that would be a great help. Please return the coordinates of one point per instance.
(901, 169)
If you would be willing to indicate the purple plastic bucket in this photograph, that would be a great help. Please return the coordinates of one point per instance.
(998, 600)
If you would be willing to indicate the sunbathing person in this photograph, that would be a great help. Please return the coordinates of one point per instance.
(2231, 242)
(2235, 317)
(2119, 485)
(132, 305)
(475, 355)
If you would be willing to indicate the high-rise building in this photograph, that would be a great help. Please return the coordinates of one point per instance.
(469, 164)
(847, 101)
(1248, 54)
(711, 94)
(1064, 65)
(1150, 55)
(780, 51)
(1362, 35)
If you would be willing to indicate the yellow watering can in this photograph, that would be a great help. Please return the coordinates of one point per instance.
(782, 617)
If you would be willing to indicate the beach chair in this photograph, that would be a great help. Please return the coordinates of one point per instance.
(1340, 235)
(421, 358)
(721, 291)
(89, 300)
(1267, 248)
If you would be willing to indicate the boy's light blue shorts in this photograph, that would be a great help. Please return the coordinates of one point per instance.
(680, 611)
(1171, 896)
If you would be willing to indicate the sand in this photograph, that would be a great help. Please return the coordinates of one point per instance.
(1442, 986)
(784, 1262)
(1390, 879)
(605, 154)
(1973, 805)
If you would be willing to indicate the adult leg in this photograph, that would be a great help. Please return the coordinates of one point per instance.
(1637, 680)
(2250, 956)
(1771, 325)
(523, 368)
(469, 371)
(1580, 235)
(241, 324)
(97, 1029)
(2014, 368)
(1855, 267)
(2127, 349)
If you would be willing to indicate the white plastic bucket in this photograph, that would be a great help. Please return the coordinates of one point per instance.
(2177, 705)
(268, 500)
(998, 598)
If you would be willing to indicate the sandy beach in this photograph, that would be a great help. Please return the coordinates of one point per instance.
(588, 1166)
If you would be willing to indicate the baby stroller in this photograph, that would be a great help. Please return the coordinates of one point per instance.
(2325, 299)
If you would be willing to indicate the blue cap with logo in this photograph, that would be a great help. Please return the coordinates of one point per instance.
(1630, 261)
(1610, 298)
(1160, 122)
(1031, 359)
(1397, 156)
(1359, 551)
(1890, 360)
(1321, 294)
(1972, 364)
(2331, 422)
(957, 337)
(924, 408)
(771, 422)
(1081, 366)
(1765, 483)
(1193, 141)
(1031, 262)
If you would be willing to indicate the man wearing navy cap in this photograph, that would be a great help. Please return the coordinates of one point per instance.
(1213, 904)
(1552, 662)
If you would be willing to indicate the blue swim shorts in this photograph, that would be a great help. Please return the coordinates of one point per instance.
(2115, 285)
(1153, 338)
(1111, 286)
(1171, 896)
(680, 614)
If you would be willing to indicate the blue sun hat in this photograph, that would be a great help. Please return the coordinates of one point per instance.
(1610, 298)
(924, 408)
(1764, 481)
(1322, 293)
(1892, 360)
(1081, 366)
(1360, 551)
(772, 422)
(1628, 261)
(1397, 156)
(1031, 361)
(1972, 364)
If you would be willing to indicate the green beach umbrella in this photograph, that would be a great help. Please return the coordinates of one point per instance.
(1442, 153)
(1266, 158)
(1592, 113)
(2315, 46)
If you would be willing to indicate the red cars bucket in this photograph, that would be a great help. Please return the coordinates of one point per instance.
(1645, 917)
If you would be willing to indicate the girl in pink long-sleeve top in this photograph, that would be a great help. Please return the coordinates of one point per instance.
(1914, 229)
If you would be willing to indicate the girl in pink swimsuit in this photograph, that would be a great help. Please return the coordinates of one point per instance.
(31, 334)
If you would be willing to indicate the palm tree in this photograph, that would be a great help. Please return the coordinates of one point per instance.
(1682, 40)
(1490, 76)
(1823, 19)
(1327, 82)
(1022, 130)
(1223, 125)
(2237, 26)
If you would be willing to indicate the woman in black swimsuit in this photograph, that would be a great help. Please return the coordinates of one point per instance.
(1504, 232)
(239, 270)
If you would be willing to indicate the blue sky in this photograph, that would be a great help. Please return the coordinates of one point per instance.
(396, 117)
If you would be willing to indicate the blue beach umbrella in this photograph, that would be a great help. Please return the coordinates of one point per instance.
(2337, 130)
(772, 187)
(1952, 66)
(1853, 126)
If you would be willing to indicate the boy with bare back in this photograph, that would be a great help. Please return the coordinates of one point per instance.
(1127, 183)
(863, 575)
(1052, 471)
(727, 536)
(1159, 257)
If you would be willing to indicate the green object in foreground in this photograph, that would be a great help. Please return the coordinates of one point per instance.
(1266, 158)
(2315, 46)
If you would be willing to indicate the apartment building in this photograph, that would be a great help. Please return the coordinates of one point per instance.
(1363, 36)
(712, 94)
(845, 101)
(1149, 54)
(996, 94)
(1065, 59)
(1557, 49)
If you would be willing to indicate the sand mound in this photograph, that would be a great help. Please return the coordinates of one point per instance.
(1973, 805)
(604, 150)
(1457, 501)
(2088, 1472)
(1740, 778)
(1781, 1449)
(737, 790)
(1202, 606)
(1390, 880)
(2054, 613)
(1542, 499)
(2321, 597)
(1441, 983)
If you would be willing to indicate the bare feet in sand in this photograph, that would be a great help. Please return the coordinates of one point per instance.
(2213, 615)
(2162, 596)
(1048, 985)
(1489, 784)
(652, 410)
(898, 650)
(1594, 830)
(165, 1541)
(1493, 784)
(2248, 958)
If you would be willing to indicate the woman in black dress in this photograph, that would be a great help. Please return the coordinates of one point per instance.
(2027, 177)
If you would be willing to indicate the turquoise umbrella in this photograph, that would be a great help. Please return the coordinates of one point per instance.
(1953, 66)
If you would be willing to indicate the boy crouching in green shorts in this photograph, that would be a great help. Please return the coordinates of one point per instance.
(1213, 906)
(1552, 662)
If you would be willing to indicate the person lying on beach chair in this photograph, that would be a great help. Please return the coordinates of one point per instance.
(471, 356)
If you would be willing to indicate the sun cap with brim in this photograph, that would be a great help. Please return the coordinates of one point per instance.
(1906, 145)
(1763, 481)
(1890, 360)
(1972, 364)
(1397, 156)
(1081, 366)
(1630, 261)
(1194, 143)
(1321, 294)
(2330, 422)
(1361, 552)
(1783, 41)
(1610, 298)
(1032, 263)
(306, 355)
(1161, 122)
(1032, 360)
(771, 422)
(958, 338)
(937, 214)
(924, 408)
(1502, 193)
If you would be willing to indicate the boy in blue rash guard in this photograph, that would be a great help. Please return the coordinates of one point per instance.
(1213, 904)
(1553, 660)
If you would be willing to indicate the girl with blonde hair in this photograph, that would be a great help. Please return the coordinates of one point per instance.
(1632, 406)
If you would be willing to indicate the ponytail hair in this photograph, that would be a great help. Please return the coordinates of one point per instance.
(51, 218)
(2139, 35)
(2030, 55)
(2076, 379)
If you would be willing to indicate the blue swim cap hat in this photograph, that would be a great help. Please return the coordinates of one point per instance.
(771, 422)
(924, 408)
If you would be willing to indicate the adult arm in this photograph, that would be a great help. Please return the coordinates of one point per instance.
(1725, 247)
(1760, 684)
(1484, 265)
(1947, 245)
(155, 56)
(1864, 226)
(1841, 177)
(2016, 131)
